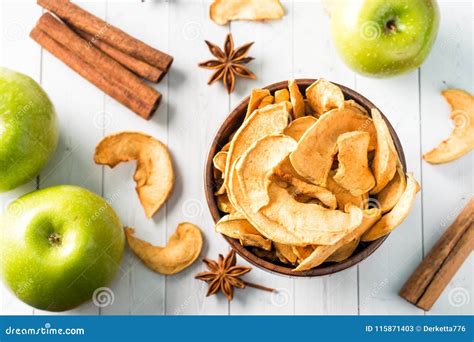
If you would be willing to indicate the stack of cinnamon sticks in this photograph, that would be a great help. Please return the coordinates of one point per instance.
(106, 56)
(434, 273)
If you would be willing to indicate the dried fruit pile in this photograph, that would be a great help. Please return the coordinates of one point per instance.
(304, 180)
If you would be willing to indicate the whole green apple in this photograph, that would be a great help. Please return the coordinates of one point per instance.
(383, 38)
(58, 245)
(28, 129)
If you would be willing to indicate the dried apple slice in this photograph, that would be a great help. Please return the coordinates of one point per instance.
(298, 127)
(154, 174)
(267, 100)
(256, 96)
(385, 160)
(242, 202)
(343, 252)
(237, 227)
(397, 215)
(390, 195)
(314, 155)
(310, 222)
(282, 95)
(353, 171)
(219, 161)
(223, 11)
(297, 100)
(343, 196)
(285, 253)
(224, 204)
(263, 122)
(321, 253)
(285, 172)
(182, 249)
(461, 140)
(323, 96)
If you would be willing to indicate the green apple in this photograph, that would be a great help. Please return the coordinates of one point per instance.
(58, 245)
(28, 129)
(383, 38)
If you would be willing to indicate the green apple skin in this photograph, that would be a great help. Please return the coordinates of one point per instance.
(58, 245)
(28, 129)
(382, 38)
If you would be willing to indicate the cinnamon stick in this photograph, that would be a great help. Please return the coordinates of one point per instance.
(139, 67)
(420, 281)
(100, 61)
(108, 84)
(85, 21)
(447, 271)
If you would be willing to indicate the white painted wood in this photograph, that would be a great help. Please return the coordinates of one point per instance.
(193, 116)
(298, 46)
(19, 53)
(447, 187)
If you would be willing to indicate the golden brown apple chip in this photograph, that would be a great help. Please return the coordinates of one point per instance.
(315, 152)
(182, 249)
(223, 11)
(397, 215)
(385, 161)
(321, 253)
(461, 140)
(298, 127)
(323, 96)
(297, 100)
(266, 121)
(256, 97)
(343, 196)
(390, 195)
(154, 174)
(353, 171)
(285, 253)
(237, 227)
(267, 100)
(282, 95)
(344, 252)
(224, 204)
(219, 161)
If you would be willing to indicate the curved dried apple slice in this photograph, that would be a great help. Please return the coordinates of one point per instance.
(353, 172)
(298, 127)
(397, 215)
(223, 11)
(323, 96)
(154, 174)
(182, 249)
(390, 195)
(461, 140)
(297, 100)
(315, 152)
(385, 160)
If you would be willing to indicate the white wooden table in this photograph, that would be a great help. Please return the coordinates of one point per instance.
(297, 46)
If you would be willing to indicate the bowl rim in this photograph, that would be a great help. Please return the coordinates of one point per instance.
(226, 128)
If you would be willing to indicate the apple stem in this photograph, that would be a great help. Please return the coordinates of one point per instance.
(391, 26)
(54, 239)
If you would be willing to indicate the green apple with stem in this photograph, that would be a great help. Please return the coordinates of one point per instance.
(28, 129)
(382, 38)
(58, 245)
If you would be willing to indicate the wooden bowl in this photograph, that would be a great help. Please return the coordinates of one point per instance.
(230, 125)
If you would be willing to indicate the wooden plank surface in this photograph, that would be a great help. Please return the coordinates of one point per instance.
(299, 46)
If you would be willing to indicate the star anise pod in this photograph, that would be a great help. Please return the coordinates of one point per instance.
(229, 63)
(224, 275)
